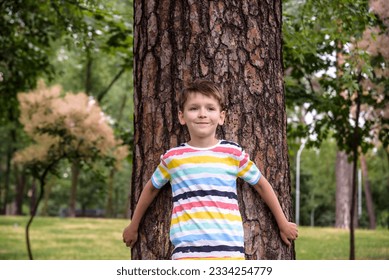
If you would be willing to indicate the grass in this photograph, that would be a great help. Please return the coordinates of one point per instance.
(63, 239)
(100, 239)
(315, 243)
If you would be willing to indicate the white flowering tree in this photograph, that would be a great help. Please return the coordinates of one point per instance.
(64, 126)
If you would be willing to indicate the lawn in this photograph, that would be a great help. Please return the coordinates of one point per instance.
(63, 239)
(315, 243)
(100, 239)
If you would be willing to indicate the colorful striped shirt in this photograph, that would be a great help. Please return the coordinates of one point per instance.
(206, 222)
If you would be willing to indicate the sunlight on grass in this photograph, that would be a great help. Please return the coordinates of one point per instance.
(316, 243)
(63, 239)
(101, 239)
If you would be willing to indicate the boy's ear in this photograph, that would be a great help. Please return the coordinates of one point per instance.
(222, 117)
(181, 117)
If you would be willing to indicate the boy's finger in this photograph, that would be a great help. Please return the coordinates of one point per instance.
(286, 240)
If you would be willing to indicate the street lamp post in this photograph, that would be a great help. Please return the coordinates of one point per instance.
(298, 181)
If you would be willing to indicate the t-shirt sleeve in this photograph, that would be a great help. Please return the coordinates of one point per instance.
(247, 170)
(161, 175)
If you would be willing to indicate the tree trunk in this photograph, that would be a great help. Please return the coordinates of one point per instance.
(73, 192)
(109, 209)
(20, 178)
(237, 44)
(344, 172)
(88, 71)
(32, 195)
(2, 190)
(368, 196)
(46, 197)
(8, 171)
(355, 145)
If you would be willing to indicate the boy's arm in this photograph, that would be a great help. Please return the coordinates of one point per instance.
(130, 233)
(288, 230)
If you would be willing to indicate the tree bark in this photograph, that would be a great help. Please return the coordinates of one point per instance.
(343, 172)
(237, 44)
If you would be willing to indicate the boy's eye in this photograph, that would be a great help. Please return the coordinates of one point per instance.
(192, 108)
(211, 108)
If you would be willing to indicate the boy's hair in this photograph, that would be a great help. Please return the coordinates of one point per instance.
(205, 87)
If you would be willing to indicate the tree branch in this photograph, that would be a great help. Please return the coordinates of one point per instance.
(42, 179)
(101, 95)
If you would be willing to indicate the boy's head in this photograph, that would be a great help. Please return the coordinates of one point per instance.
(203, 87)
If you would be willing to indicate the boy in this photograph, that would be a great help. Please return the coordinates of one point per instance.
(206, 222)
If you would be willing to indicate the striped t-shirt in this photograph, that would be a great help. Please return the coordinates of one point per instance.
(206, 222)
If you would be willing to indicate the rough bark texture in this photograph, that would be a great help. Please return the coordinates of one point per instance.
(238, 45)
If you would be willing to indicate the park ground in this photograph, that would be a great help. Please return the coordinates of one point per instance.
(100, 239)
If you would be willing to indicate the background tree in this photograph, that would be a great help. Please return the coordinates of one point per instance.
(334, 29)
(375, 41)
(344, 177)
(318, 185)
(37, 39)
(238, 45)
(26, 28)
(99, 30)
(72, 127)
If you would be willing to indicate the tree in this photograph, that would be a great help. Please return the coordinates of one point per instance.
(334, 29)
(344, 172)
(29, 33)
(318, 185)
(375, 41)
(104, 30)
(236, 44)
(26, 28)
(71, 127)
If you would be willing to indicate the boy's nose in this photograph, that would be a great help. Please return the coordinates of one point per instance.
(202, 113)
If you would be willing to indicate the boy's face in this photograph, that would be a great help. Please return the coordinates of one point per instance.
(201, 114)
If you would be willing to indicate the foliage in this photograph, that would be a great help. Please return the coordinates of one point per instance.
(26, 29)
(326, 68)
(324, 36)
(33, 35)
(318, 185)
(29, 28)
(70, 126)
(378, 165)
(103, 29)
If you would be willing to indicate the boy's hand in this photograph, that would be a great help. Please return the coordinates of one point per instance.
(130, 235)
(288, 233)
